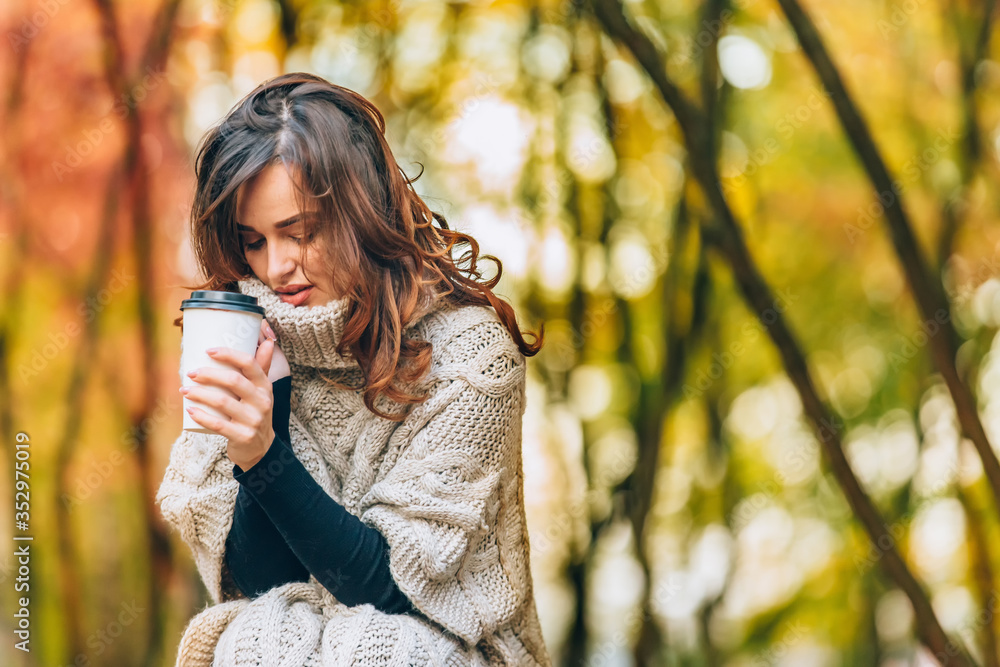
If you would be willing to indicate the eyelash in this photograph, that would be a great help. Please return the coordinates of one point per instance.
(257, 244)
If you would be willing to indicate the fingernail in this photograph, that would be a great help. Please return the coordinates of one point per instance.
(211, 350)
(191, 374)
(270, 331)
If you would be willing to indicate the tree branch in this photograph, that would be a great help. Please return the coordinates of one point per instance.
(758, 295)
(955, 208)
(927, 290)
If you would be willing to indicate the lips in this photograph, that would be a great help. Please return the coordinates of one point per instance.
(298, 298)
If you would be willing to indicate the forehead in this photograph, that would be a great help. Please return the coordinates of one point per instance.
(267, 198)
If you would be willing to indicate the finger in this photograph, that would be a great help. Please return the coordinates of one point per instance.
(243, 362)
(235, 410)
(262, 336)
(266, 330)
(219, 426)
(230, 379)
(265, 354)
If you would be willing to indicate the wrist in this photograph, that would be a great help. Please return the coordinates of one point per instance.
(250, 463)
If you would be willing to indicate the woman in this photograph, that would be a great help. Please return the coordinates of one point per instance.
(364, 503)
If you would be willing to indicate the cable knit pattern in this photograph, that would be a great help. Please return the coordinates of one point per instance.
(445, 487)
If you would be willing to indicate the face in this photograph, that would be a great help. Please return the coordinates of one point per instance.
(271, 233)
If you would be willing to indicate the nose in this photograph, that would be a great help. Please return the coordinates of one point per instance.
(281, 262)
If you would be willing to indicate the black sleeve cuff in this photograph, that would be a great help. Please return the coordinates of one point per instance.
(280, 480)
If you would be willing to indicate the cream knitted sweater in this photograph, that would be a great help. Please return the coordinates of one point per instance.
(444, 486)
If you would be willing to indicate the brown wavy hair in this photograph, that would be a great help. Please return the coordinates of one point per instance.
(384, 249)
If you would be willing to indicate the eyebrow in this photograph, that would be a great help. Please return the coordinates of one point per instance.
(287, 222)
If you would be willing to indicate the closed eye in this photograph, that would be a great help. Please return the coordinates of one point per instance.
(256, 245)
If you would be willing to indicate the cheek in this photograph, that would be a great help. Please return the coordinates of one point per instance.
(254, 262)
(316, 269)
(312, 257)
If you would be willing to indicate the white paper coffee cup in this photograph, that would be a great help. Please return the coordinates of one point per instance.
(215, 319)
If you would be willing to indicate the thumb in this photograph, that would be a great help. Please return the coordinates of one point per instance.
(265, 353)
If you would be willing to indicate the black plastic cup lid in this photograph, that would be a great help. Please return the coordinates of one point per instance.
(222, 301)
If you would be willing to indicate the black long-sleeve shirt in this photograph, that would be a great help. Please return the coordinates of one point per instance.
(286, 526)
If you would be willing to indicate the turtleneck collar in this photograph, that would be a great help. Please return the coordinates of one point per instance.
(309, 336)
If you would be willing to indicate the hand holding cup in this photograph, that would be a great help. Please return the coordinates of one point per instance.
(248, 427)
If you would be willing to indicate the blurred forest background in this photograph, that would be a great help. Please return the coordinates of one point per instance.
(763, 428)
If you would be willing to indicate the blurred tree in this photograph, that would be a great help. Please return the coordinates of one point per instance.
(721, 311)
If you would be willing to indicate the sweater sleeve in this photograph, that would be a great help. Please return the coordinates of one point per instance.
(287, 527)
(450, 505)
(196, 497)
